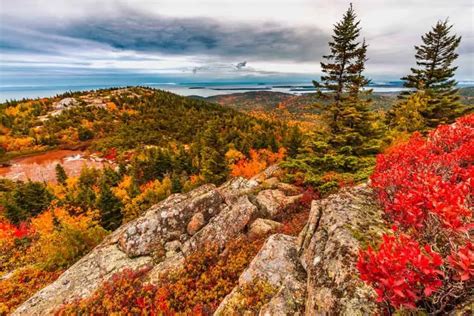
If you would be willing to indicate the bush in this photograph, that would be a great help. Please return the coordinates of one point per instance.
(21, 285)
(196, 289)
(426, 188)
(61, 238)
(123, 294)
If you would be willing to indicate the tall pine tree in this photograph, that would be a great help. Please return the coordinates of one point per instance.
(348, 114)
(435, 73)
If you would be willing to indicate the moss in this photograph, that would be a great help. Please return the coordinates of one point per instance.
(250, 297)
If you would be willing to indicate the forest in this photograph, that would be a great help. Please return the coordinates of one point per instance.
(160, 144)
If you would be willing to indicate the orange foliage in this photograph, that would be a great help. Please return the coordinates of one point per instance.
(17, 288)
(259, 160)
(197, 289)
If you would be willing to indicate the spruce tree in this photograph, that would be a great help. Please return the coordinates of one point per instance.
(347, 114)
(61, 175)
(109, 207)
(212, 154)
(435, 73)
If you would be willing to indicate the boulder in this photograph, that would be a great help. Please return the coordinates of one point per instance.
(278, 266)
(288, 189)
(273, 202)
(168, 220)
(329, 243)
(262, 226)
(196, 223)
(229, 223)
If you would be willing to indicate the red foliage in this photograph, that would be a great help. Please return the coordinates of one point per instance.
(111, 154)
(432, 177)
(8, 230)
(462, 262)
(427, 188)
(401, 271)
(21, 285)
(123, 294)
(308, 196)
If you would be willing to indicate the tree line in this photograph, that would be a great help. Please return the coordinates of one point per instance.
(344, 152)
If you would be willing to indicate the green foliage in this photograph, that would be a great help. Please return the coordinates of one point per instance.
(434, 75)
(110, 207)
(85, 133)
(343, 153)
(61, 175)
(294, 142)
(25, 201)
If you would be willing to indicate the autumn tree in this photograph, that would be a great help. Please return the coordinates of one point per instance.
(406, 115)
(434, 74)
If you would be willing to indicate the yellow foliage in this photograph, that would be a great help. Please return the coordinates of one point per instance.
(259, 160)
(123, 188)
(233, 155)
(111, 106)
(62, 238)
(152, 193)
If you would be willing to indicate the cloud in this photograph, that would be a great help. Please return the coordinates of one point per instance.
(212, 36)
(202, 37)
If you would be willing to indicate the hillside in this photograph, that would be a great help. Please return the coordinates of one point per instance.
(165, 237)
(77, 166)
(302, 108)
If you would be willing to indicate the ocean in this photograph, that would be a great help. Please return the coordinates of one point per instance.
(47, 86)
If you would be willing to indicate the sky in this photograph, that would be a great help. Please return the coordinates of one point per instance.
(221, 39)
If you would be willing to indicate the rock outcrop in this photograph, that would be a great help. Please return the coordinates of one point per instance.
(313, 274)
(162, 238)
(276, 265)
(329, 243)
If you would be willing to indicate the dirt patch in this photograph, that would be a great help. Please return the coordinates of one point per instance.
(41, 167)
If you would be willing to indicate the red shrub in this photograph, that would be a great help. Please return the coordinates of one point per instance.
(427, 188)
(432, 177)
(8, 230)
(401, 272)
(462, 262)
(123, 294)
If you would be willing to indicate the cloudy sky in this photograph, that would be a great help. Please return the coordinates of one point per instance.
(215, 38)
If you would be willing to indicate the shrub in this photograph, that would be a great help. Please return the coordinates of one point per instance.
(258, 161)
(435, 177)
(62, 238)
(197, 289)
(426, 187)
(401, 272)
(21, 285)
(123, 294)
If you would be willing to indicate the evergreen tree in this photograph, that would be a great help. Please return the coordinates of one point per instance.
(109, 207)
(435, 73)
(26, 200)
(348, 114)
(294, 142)
(212, 153)
(61, 175)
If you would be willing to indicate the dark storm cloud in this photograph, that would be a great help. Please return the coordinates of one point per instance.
(199, 36)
